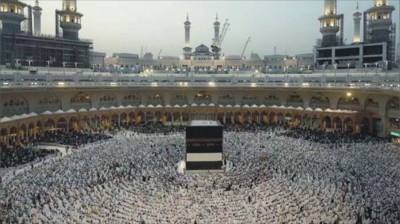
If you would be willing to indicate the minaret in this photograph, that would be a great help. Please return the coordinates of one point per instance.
(70, 20)
(37, 12)
(11, 16)
(216, 30)
(357, 25)
(187, 49)
(330, 24)
(380, 21)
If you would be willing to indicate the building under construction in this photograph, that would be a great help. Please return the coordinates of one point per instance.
(23, 44)
(378, 47)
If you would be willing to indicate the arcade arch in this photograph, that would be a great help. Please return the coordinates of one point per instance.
(14, 106)
(202, 97)
(131, 99)
(81, 100)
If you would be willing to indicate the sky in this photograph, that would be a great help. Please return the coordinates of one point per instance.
(291, 26)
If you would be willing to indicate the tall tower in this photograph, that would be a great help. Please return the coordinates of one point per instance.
(187, 50)
(380, 21)
(357, 25)
(11, 15)
(70, 20)
(37, 12)
(216, 30)
(330, 24)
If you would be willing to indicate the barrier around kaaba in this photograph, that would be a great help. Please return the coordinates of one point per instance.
(204, 146)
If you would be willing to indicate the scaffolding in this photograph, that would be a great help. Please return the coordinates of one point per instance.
(341, 32)
(57, 19)
(29, 30)
(367, 30)
(392, 42)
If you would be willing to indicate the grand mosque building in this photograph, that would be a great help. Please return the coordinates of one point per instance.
(201, 84)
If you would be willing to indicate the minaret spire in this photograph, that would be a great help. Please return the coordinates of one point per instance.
(70, 19)
(187, 49)
(37, 12)
(331, 24)
(216, 30)
(357, 25)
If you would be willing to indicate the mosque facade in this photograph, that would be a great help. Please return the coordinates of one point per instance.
(349, 102)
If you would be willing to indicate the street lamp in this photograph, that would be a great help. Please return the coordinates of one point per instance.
(297, 62)
(29, 64)
(365, 64)
(16, 64)
(348, 68)
(387, 63)
(335, 66)
(64, 63)
(323, 69)
(48, 66)
(191, 63)
(287, 73)
(93, 66)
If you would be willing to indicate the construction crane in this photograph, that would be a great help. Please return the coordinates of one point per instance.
(245, 46)
(159, 54)
(142, 51)
(216, 45)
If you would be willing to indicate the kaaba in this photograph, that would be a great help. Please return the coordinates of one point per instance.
(204, 146)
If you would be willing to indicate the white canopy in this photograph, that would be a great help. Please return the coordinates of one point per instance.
(59, 112)
(71, 111)
(309, 109)
(5, 119)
